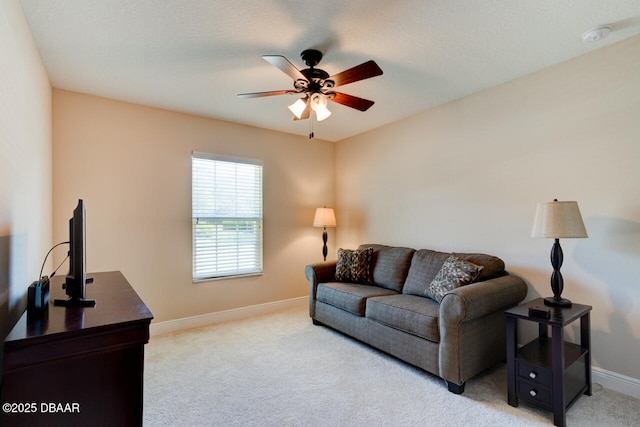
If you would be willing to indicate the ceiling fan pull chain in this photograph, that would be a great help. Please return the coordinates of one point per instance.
(311, 128)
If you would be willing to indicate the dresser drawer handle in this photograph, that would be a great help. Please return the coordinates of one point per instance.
(532, 375)
(533, 392)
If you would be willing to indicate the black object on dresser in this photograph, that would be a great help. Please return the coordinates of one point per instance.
(549, 372)
(78, 366)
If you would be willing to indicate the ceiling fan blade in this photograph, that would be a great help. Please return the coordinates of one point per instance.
(306, 113)
(285, 66)
(270, 93)
(359, 72)
(351, 101)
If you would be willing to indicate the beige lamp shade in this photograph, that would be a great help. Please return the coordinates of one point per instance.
(324, 217)
(558, 220)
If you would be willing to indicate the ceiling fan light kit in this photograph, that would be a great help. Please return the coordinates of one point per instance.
(317, 85)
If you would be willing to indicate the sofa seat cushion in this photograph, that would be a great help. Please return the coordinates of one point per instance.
(390, 265)
(408, 313)
(350, 297)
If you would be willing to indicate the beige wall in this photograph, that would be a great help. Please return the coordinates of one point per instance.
(25, 163)
(132, 166)
(467, 177)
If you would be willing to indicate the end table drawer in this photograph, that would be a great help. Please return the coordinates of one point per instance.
(534, 392)
(533, 373)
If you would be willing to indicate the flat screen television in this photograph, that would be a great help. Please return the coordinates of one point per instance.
(76, 278)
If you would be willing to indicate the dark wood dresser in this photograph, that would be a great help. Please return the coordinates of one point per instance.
(78, 366)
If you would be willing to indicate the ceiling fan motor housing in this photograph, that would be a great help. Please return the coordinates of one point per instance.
(311, 57)
(316, 78)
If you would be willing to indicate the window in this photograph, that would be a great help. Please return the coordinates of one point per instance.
(226, 216)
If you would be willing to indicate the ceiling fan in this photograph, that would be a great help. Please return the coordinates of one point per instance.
(317, 85)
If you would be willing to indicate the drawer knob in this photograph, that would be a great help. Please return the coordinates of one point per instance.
(533, 392)
(532, 375)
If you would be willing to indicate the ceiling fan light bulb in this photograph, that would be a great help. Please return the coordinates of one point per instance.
(298, 107)
(318, 101)
(322, 113)
(319, 105)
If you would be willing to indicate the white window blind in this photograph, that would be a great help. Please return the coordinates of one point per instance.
(226, 216)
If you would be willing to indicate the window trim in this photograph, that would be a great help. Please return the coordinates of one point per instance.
(260, 221)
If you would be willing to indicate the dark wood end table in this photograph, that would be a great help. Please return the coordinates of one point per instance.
(550, 373)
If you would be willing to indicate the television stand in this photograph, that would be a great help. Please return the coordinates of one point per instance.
(75, 366)
(74, 302)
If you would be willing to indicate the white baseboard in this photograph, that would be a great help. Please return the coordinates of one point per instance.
(160, 328)
(616, 382)
(608, 379)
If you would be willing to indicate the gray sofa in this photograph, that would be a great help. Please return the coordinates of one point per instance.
(454, 339)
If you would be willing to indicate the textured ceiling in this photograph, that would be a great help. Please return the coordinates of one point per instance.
(195, 56)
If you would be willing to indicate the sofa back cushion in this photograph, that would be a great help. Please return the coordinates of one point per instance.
(426, 264)
(390, 265)
(492, 265)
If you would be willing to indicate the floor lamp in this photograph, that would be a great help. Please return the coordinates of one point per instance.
(558, 220)
(324, 217)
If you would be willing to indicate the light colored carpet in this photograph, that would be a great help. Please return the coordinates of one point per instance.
(280, 370)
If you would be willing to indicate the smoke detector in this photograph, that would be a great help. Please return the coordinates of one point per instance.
(596, 34)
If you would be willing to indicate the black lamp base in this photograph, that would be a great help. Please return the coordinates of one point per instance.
(325, 250)
(557, 282)
(557, 302)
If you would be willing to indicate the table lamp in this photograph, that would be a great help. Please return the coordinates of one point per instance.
(558, 220)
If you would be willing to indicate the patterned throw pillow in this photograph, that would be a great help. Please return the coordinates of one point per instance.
(354, 266)
(455, 272)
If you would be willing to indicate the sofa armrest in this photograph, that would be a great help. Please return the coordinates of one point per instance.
(317, 273)
(479, 299)
(320, 272)
(472, 326)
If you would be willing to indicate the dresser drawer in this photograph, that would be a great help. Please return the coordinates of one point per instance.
(533, 373)
(534, 393)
